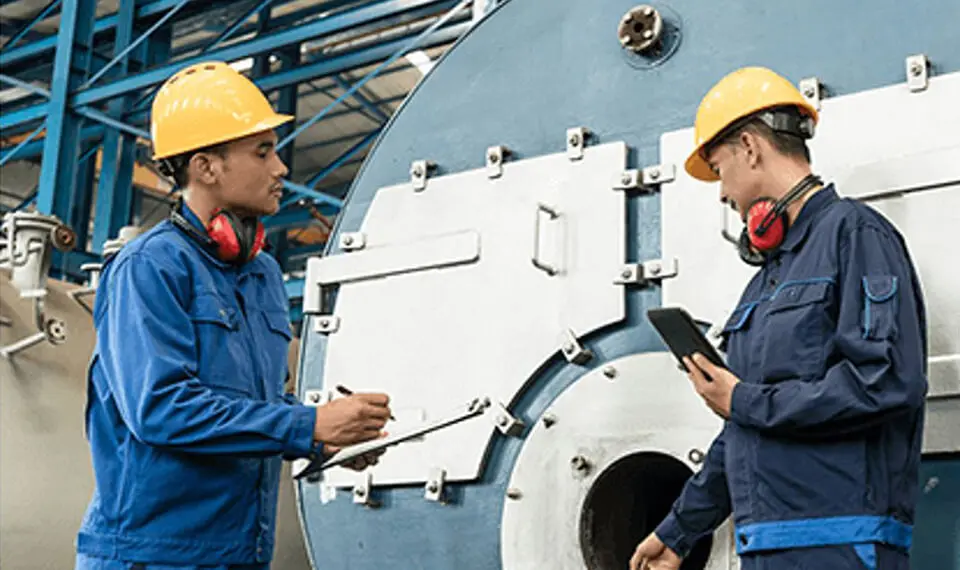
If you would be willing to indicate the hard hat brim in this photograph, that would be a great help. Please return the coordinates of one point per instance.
(699, 168)
(267, 124)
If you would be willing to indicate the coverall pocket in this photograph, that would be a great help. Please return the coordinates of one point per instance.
(880, 307)
(794, 328)
(276, 347)
(221, 356)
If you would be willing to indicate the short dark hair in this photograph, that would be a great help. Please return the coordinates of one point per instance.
(786, 143)
(178, 167)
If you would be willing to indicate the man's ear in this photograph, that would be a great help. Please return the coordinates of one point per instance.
(751, 148)
(205, 168)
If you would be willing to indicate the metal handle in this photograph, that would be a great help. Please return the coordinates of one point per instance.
(545, 267)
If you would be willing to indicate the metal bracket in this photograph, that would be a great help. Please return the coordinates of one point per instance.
(573, 351)
(576, 141)
(812, 91)
(495, 158)
(647, 180)
(648, 271)
(363, 491)
(352, 241)
(419, 171)
(326, 324)
(433, 490)
(658, 174)
(316, 397)
(505, 422)
(918, 72)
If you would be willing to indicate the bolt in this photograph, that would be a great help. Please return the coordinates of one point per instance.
(809, 91)
(493, 157)
(514, 493)
(433, 487)
(418, 171)
(315, 398)
(610, 372)
(549, 420)
(626, 179)
(347, 240)
(648, 11)
(647, 34)
(568, 347)
(655, 270)
(580, 463)
(627, 273)
(654, 173)
(625, 40)
(695, 456)
(502, 420)
(627, 18)
(574, 140)
(916, 69)
(359, 492)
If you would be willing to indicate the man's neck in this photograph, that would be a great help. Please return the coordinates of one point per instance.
(785, 179)
(201, 207)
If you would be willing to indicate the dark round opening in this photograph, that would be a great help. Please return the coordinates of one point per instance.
(626, 504)
(639, 27)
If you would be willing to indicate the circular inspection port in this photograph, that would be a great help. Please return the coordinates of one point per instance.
(626, 503)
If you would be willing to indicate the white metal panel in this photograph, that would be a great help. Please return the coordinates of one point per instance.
(602, 420)
(438, 338)
(897, 149)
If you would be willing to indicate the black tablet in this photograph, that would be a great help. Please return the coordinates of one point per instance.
(682, 335)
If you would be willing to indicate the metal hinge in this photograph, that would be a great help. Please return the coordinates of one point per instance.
(433, 490)
(419, 172)
(363, 491)
(505, 422)
(495, 157)
(812, 91)
(573, 351)
(352, 241)
(647, 179)
(648, 271)
(918, 72)
(576, 141)
(326, 324)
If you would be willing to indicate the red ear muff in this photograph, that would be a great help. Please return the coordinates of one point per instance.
(765, 228)
(237, 240)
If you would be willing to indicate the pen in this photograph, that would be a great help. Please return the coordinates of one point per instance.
(348, 392)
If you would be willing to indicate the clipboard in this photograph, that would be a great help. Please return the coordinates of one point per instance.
(475, 408)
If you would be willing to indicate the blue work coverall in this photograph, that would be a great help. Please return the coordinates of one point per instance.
(186, 415)
(819, 459)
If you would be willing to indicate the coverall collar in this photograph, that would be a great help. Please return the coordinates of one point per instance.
(811, 209)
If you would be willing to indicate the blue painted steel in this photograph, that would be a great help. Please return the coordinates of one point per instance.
(43, 14)
(92, 113)
(24, 85)
(527, 73)
(132, 45)
(33, 149)
(311, 193)
(404, 49)
(271, 42)
(29, 53)
(7, 156)
(294, 288)
(61, 144)
(361, 98)
(343, 158)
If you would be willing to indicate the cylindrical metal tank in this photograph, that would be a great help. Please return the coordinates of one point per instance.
(523, 210)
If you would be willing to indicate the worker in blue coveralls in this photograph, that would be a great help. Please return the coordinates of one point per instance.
(187, 418)
(824, 395)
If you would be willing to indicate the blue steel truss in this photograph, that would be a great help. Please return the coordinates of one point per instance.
(90, 86)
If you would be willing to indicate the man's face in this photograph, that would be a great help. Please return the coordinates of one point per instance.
(250, 175)
(740, 179)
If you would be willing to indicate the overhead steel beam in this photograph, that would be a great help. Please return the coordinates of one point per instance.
(343, 158)
(26, 30)
(270, 42)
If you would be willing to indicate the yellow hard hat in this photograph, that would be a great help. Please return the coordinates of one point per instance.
(207, 104)
(739, 94)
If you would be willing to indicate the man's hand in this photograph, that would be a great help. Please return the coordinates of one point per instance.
(653, 554)
(360, 463)
(719, 393)
(353, 419)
